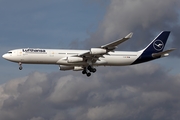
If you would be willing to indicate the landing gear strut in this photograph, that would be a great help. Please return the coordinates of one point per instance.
(90, 68)
(20, 66)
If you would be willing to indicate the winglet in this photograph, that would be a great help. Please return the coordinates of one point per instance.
(129, 35)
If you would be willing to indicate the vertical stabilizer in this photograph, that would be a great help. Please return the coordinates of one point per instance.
(156, 46)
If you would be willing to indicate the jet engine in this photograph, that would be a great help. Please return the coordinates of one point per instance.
(97, 51)
(74, 59)
(64, 67)
(78, 68)
(75, 68)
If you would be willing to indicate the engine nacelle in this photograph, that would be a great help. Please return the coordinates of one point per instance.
(78, 68)
(74, 59)
(75, 68)
(97, 51)
(64, 67)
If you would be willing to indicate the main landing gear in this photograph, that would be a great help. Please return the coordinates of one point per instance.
(20, 66)
(90, 68)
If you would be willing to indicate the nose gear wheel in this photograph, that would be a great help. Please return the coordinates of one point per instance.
(20, 66)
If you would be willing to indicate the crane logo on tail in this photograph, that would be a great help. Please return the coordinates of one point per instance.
(158, 45)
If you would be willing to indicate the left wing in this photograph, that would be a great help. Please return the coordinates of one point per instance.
(104, 49)
(92, 56)
(113, 45)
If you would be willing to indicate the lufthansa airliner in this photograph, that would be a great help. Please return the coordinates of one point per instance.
(87, 60)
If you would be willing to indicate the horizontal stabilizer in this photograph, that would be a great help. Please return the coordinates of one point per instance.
(163, 54)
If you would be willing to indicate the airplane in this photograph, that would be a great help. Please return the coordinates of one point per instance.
(87, 60)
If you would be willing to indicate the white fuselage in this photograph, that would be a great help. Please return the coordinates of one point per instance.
(59, 57)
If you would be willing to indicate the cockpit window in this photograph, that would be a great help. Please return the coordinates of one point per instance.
(10, 52)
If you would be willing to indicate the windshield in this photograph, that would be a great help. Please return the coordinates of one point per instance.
(10, 52)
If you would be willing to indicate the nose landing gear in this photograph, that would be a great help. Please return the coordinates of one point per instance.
(20, 66)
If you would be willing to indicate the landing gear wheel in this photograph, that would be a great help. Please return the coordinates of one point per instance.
(20, 68)
(93, 70)
(89, 68)
(84, 72)
(88, 74)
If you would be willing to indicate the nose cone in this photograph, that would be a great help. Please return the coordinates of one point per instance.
(5, 56)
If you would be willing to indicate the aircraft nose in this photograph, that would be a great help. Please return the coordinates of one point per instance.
(4, 56)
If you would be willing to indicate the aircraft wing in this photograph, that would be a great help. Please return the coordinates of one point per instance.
(94, 53)
(113, 45)
(108, 47)
(164, 53)
(84, 54)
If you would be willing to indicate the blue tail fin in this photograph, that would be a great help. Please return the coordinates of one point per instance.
(158, 44)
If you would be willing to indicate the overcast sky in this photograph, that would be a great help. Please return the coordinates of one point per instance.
(148, 91)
